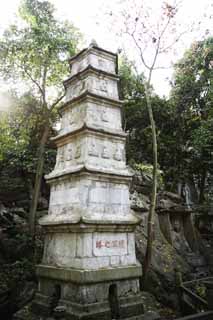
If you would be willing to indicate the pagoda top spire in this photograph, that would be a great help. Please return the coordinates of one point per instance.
(93, 43)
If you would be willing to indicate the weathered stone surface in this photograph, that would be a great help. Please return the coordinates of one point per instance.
(89, 264)
(93, 81)
(90, 198)
(89, 276)
(89, 250)
(87, 112)
(93, 56)
(92, 150)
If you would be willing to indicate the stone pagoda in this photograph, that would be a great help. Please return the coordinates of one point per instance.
(89, 264)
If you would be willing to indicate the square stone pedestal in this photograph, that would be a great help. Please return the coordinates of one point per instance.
(89, 295)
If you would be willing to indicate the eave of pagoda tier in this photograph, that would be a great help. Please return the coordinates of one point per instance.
(94, 80)
(89, 110)
(92, 150)
(90, 198)
(95, 57)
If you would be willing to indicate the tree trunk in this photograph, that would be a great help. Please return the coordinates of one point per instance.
(150, 226)
(38, 178)
(202, 185)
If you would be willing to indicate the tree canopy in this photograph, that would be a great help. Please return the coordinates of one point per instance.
(36, 50)
(192, 97)
(34, 54)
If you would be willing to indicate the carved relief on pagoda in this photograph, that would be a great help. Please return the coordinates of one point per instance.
(92, 151)
(60, 162)
(73, 118)
(69, 155)
(103, 116)
(119, 153)
(94, 58)
(95, 83)
(97, 115)
(105, 154)
(76, 88)
(79, 65)
(106, 87)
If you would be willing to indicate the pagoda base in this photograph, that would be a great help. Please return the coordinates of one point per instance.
(123, 309)
(89, 295)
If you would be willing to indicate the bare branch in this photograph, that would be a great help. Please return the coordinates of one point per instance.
(43, 86)
(158, 44)
(141, 52)
(34, 81)
(161, 68)
(172, 44)
(57, 101)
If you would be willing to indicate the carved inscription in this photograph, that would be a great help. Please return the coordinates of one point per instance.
(107, 244)
(110, 244)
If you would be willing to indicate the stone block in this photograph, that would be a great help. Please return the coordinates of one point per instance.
(128, 259)
(95, 263)
(114, 261)
(131, 242)
(89, 276)
(84, 245)
(59, 249)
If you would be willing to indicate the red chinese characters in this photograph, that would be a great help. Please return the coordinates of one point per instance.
(110, 244)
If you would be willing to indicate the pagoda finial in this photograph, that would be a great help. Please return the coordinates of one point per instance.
(93, 43)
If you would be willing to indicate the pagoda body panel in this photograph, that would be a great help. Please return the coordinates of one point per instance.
(86, 111)
(89, 259)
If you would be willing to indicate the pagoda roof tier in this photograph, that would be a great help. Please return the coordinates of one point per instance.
(82, 216)
(88, 70)
(86, 95)
(64, 138)
(84, 169)
(91, 48)
(89, 226)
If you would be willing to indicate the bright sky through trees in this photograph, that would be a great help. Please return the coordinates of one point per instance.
(91, 18)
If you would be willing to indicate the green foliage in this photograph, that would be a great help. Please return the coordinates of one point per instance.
(33, 55)
(193, 91)
(136, 121)
(202, 136)
(192, 98)
(15, 274)
(147, 169)
(36, 52)
(200, 289)
(20, 133)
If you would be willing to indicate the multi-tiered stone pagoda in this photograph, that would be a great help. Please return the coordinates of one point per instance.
(89, 264)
